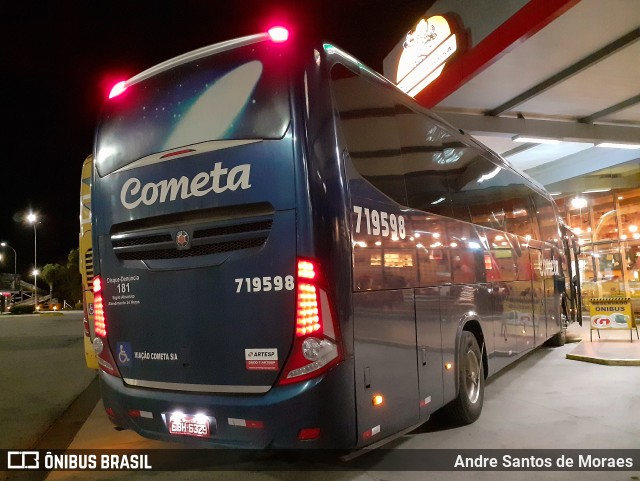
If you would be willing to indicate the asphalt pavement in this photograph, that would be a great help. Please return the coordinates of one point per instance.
(43, 371)
(545, 401)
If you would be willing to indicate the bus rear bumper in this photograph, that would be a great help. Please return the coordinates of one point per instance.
(277, 419)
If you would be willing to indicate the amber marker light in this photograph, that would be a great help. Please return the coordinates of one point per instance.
(377, 400)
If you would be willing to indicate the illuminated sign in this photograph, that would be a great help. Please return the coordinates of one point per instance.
(425, 51)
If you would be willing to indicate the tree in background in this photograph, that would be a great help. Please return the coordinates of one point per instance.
(53, 274)
(65, 282)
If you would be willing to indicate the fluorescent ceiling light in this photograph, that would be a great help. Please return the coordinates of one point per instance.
(555, 193)
(578, 203)
(616, 145)
(595, 191)
(535, 140)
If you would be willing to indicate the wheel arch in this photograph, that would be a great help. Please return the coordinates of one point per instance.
(472, 325)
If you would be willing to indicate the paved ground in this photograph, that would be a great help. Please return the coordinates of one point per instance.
(545, 401)
(43, 371)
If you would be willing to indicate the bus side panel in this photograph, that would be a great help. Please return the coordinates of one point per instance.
(323, 216)
(429, 338)
(384, 276)
(385, 362)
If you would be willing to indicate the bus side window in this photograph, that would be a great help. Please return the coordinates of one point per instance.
(471, 189)
(428, 153)
(467, 253)
(434, 248)
(502, 264)
(547, 218)
(369, 128)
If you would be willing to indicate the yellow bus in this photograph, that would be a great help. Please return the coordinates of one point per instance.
(86, 262)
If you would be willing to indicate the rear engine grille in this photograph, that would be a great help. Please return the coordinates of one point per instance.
(234, 229)
(141, 241)
(203, 250)
(210, 232)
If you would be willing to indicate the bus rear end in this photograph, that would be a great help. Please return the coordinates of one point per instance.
(211, 323)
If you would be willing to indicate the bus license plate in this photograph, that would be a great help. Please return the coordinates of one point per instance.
(197, 426)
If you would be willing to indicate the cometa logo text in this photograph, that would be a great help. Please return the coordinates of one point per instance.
(217, 181)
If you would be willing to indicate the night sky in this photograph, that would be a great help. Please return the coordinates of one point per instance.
(61, 57)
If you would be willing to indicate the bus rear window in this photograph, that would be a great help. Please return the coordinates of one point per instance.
(238, 94)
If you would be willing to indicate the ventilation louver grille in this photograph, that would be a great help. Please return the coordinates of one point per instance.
(216, 234)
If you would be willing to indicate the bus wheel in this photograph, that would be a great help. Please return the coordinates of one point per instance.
(466, 408)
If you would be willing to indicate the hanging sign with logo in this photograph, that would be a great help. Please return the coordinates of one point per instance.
(426, 50)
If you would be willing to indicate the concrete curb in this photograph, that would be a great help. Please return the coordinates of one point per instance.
(606, 362)
(605, 353)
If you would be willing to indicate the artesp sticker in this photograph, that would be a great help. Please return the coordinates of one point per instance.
(261, 359)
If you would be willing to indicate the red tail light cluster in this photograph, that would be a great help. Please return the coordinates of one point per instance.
(316, 345)
(100, 343)
(308, 309)
(98, 309)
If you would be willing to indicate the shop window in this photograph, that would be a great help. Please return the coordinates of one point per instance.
(629, 208)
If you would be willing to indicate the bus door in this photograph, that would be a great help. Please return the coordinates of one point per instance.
(554, 286)
(537, 332)
(576, 291)
(511, 297)
(384, 272)
(572, 289)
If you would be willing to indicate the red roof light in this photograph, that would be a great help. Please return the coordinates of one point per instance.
(117, 89)
(279, 34)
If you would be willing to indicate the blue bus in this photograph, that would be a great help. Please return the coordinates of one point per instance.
(289, 252)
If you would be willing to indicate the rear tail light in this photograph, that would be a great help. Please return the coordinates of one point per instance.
(309, 434)
(100, 343)
(316, 345)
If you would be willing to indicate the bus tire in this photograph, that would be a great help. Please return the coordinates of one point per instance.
(467, 406)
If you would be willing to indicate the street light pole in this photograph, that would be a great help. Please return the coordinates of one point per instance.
(32, 218)
(15, 264)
